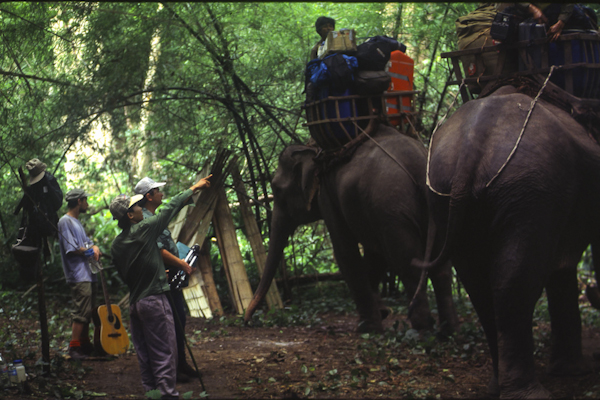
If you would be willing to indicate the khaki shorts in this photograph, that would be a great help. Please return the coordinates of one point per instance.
(84, 297)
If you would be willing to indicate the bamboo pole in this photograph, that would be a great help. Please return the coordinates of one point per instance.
(254, 237)
(233, 263)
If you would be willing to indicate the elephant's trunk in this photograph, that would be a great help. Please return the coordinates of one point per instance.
(282, 226)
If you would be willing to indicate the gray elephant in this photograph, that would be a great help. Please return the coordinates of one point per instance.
(375, 198)
(519, 199)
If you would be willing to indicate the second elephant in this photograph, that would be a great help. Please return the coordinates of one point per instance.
(375, 198)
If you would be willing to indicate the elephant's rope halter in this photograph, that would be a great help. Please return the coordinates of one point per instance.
(532, 106)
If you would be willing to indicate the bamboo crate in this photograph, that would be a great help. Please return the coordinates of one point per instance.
(336, 120)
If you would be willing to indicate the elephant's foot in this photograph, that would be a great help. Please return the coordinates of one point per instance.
(493, 388)
(367, 326)
(570, 367)
(534, 391)
(448, 329)
(385, 312)
(422, 322)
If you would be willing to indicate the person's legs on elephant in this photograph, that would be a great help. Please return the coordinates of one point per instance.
(562, 292)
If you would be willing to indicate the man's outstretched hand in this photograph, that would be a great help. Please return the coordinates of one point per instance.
(202, 183)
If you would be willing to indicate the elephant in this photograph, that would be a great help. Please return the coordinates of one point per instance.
(515, 195)
(375, 198)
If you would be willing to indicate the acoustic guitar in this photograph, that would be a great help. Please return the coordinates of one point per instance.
(113, 335)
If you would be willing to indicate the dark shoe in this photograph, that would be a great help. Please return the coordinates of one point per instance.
(87, 348)
(188, 370)
(77, 353)
(182, 378)
(99, 351)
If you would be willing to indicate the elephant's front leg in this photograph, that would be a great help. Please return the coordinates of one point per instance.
(441, 278)
(357, 276)
(562, 292)
(376, 266)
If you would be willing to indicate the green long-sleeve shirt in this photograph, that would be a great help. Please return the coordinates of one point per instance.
(136, 254)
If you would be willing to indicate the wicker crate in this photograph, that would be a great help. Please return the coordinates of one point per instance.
(335, 121)
(578, 55)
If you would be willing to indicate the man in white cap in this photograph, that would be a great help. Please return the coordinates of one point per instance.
(76, 249)
(169, 252)
(140, 265)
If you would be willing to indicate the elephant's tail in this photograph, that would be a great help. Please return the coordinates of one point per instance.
(458, 204)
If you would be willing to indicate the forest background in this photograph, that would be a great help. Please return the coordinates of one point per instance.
(107, 93)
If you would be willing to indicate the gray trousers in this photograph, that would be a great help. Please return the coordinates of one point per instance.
(154, 339)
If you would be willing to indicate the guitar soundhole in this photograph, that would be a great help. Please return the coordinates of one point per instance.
(115, 321)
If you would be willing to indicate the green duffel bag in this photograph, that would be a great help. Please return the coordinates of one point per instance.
(473, 31)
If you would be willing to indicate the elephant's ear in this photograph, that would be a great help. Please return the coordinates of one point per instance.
(308, 176)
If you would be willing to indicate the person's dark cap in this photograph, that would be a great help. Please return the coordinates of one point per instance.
(322, 21)
(122, 203)
(76, 194)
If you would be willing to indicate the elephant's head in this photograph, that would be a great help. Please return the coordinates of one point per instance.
(294, 188)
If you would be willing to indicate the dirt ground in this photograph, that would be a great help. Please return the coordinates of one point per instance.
(327, 360)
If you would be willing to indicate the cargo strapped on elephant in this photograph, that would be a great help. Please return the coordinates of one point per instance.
(576, 53)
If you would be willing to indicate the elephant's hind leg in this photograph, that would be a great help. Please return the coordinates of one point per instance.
(566, 356)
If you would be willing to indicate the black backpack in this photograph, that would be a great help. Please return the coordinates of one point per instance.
(341, 71)
(374, 54)
(41, 202)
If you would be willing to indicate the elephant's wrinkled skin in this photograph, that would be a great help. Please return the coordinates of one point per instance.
(523, 232)
(369, 200)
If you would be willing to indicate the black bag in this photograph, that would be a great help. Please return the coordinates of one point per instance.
(371, 82)
(374, 54)
(26, 253)
(341, 71)
(505, 27)
(41, 201)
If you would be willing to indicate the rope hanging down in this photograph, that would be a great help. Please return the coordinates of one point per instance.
(440, 122)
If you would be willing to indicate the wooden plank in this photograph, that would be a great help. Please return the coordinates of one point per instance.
(233, 263)
(199, 295)
(464, 94)
(209, 287)
(254, 237)
(568, 62)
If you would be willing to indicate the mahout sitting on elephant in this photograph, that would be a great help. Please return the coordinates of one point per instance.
(375, 198)
(517, 193)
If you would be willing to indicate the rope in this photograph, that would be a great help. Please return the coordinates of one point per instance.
(533, 103)
(389, 155)
(431, 141)
(532, 106)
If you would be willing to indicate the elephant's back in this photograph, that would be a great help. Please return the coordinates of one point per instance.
(496, 134)
(385, 186)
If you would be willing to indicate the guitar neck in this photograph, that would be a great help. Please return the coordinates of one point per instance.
(105, 290)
